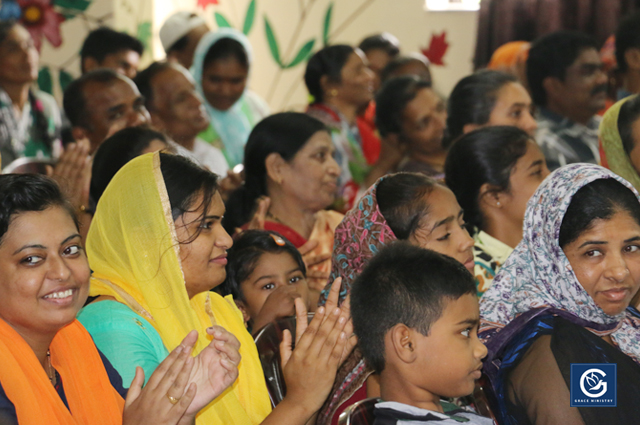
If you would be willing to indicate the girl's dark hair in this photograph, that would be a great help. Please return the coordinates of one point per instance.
(115, 152)
(243, 258)
(226, 48)
(285, 134)
(486, 155)
(40, 120)
(401, 199)
(185, 181)
(629, 114)
(21, 193)
(598, 200)
(328, 61)
(472, 101)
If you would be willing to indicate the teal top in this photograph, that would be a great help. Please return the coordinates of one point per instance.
(124, 337)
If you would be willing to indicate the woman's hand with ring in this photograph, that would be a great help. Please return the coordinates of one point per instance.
(167, 395)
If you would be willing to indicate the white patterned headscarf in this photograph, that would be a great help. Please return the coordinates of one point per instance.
(538, 274)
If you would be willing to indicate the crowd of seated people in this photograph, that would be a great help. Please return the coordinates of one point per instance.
(437, 257)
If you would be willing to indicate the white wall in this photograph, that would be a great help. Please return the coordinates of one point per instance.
(294, 22)
(351, 21)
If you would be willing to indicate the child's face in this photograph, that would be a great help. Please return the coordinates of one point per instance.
(275, 282)
(452, 353)
(443, 229)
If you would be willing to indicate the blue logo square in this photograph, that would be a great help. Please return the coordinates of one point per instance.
(593, 384)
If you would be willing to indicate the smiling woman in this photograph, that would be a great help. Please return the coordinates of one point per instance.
(157, 247)
(562, 297)
(221, 68)
(44, 282)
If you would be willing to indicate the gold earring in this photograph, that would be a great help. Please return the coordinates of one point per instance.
(334, 92)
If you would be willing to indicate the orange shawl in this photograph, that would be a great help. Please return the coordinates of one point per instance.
(89, 393)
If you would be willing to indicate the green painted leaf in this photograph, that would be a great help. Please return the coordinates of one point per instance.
(221, 20)
(144, 33)
(80, 5)
(249, 17)
(65, 79)
(303, 53)
(45, 82)
(68, 14)
(273, 43)
(327, 25)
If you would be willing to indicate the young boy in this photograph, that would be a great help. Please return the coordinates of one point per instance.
(415, 313)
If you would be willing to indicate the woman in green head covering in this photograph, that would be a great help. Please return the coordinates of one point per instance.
(221, 69)
(620, 139)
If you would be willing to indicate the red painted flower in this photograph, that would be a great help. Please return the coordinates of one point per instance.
(40, 19)
(204, 3)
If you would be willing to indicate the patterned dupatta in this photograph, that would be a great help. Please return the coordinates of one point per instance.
(538, 275)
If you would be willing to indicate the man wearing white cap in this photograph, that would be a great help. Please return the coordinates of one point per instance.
(180, 35)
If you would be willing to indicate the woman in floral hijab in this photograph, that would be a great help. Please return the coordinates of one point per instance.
(545, 305)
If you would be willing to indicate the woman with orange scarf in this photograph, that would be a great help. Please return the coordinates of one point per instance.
(52, 372)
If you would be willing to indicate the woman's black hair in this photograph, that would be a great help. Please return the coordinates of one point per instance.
(401, 199)
(393, 98)
(243, 258)
(226, 48)
(389, 71)
(40, 120)
(486, 155)
(185, 182)
(115, 152)
(328, 61)
(285, 134)
(629, 114)
(598, 200)
(472, 101)
(21, 193)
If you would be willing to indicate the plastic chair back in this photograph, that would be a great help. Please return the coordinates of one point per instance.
(28, 166)
(360, 413)
(268, 343)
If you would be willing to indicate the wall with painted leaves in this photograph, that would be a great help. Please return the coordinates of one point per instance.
(284, 33)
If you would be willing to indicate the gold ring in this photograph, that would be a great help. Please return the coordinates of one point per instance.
(172, 400)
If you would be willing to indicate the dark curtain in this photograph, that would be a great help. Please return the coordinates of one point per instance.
(501, 21)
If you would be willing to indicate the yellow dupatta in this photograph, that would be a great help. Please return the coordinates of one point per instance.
(617, 158)
(134, 255)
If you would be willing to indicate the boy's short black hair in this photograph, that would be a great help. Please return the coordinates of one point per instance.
(403, 284)
(243, 258)
(105, 41)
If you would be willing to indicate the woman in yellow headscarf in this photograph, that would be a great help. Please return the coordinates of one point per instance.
(156, 247)
(620, 139)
